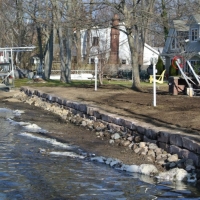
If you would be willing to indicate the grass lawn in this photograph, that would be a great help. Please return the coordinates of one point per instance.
(81, 83)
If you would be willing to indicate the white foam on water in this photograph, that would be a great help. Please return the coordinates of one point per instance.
(48, 140)
(34, 128)
(68, 154)
(18, 112)
(12, 122)
(28, 126)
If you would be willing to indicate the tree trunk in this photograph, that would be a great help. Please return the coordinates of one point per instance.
(134, 63)
(39, 36)
(69, 45)
(48, 59)
(63, 77)
(88, 46)
(68, 55)
(65, 47)
(78, 48)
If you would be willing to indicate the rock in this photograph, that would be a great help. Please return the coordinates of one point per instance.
(198, 184)
(115, 162)
(161, 156)
(173, 158)
(111, 141)
(151, 153)
(97, 133)
(191, 178)
(108, 161)
(174, 174)
(98, 126)
(148, 169)
(100, 159)
(115, 136)
(180, 164)
(101, 134)
(137, 150)
(161, 161)
(189, 168)
(130, 168)
(153, 146)
(158, 151)
(135, 146)
(126, 143)
(150, 159)
(130, 138)
(144, 150)
(181, 174)
(189, 162)
(137, 139)
(172, 165)
(118, 141)
(142, 144)
(42, 151)
(107, 134)
(198, 173)
(130, 146)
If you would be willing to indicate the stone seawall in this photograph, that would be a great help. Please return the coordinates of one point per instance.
(183, 144)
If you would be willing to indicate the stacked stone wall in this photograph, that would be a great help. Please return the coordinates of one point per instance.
(172, 141)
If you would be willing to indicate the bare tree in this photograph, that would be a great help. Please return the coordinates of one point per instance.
(136, 15)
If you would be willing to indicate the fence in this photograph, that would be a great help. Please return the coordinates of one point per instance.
(57, 72)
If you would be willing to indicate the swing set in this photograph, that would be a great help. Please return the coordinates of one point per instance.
(7, 64)
(193, 82)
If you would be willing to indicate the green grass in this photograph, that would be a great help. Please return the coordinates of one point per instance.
(80, 83)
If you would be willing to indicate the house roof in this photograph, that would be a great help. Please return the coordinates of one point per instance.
(193, 47)
(152, 49)
(194, 19)
(180, 25)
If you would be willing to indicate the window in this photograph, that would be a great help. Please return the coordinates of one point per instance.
(95, 41)
(194, 33)
(123, 61)
(181, 37)
(92, 61)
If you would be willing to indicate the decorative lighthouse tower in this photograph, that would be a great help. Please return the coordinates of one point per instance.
(114, 41)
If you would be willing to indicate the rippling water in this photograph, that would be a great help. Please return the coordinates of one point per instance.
(35, 167)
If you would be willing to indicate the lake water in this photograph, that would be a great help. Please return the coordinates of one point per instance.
(35, 167)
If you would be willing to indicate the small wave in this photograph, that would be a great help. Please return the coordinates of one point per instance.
(68, 154)
(54, 142)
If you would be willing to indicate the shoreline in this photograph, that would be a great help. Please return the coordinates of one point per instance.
(101, 135)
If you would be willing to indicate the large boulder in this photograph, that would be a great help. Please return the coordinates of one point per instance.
(174, 174)
(148, 169)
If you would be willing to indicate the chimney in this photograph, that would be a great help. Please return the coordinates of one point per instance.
(114, 41)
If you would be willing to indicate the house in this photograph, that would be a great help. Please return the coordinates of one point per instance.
(111, 46)
(183, 40)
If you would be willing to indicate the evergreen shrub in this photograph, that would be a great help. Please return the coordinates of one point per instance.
(172, 71)
(159, 66)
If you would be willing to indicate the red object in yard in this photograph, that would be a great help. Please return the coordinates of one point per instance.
(176, 58)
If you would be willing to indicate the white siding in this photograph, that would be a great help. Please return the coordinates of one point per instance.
(104, 45)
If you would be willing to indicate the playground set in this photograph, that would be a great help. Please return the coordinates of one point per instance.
(188, 83)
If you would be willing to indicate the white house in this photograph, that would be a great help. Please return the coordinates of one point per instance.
(111, 46)
(100, 41)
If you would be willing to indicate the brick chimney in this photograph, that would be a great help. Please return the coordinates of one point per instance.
(114, 41)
